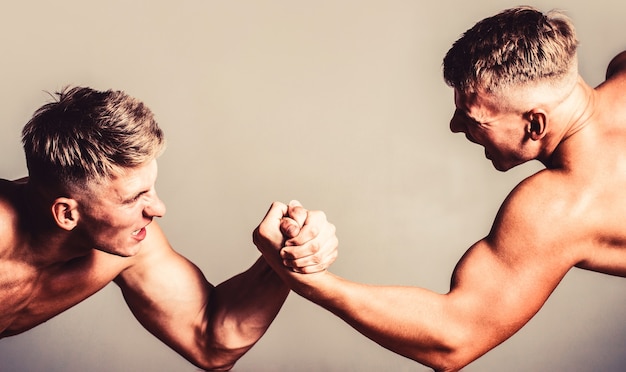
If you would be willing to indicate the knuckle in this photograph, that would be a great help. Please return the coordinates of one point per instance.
(261, 231)
(286, 254)
(314, 231)
(255, 235)
(314, 248)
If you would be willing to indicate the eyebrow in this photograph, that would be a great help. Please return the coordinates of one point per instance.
(134, 197)
(466, 116)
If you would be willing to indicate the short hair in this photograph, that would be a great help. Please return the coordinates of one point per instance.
(87, 135)
(516, 47)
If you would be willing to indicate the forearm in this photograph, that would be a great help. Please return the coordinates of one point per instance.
(241, 309)
(414, 322)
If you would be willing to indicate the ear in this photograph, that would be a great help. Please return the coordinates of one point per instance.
(536, 126)
(65, 213)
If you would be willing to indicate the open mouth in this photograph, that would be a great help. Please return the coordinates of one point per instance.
(135, 233)
(139, 234)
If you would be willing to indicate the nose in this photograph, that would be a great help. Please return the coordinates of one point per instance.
(456, 123)
(156, 208)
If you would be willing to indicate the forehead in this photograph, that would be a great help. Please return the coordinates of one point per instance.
(477, 105)
(129, 182)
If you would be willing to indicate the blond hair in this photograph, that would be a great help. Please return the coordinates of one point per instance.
(516, 47)
(88, 135)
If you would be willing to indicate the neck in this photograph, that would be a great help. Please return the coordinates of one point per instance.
(567, 119)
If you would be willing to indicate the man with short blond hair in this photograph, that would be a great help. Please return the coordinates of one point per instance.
(84, 218)
(519, 95)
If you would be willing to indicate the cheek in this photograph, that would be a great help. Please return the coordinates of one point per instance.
(110, 221)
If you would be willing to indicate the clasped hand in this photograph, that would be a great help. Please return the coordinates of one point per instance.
(291, 237)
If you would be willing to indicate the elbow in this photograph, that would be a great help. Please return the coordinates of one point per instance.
(214, 367)
(451, 353)
(219, 353)
(449, 364)
(448, 361)
(217, 359)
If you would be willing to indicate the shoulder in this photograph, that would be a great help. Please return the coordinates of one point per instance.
(617, 66)
(9, 215)
(536, 217)
(154, 246)
(613, 88)
(547, 192)
(155, 256)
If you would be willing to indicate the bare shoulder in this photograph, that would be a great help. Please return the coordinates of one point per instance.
(536, 219)
(617, 66)
(566, 220)
(155, 245)
(612, 91)
(540, 196)
(9, 214)
(155, 257)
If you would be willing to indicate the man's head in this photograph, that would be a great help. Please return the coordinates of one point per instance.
(88, 135)
(519, 47)
(91, 157)
(509, 73)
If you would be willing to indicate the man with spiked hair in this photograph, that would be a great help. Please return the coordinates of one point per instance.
(84, 218)
(518, 94)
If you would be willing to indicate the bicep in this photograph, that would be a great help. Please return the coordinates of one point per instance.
(499, 294)
(503, 280)
(167, 294)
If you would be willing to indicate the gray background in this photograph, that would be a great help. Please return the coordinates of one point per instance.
(339, 104)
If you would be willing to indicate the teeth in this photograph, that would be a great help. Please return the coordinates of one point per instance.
(135, 232)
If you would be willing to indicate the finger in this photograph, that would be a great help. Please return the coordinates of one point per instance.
(313, 224)
(297, 212)
(269, 228)
(276, 211)
(293, 252)
(321, 260)
(311, 247)
(309, 265)
(289, 227)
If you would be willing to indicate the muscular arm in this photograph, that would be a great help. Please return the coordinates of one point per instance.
(498, 285)
(214, 326)
(210, 326)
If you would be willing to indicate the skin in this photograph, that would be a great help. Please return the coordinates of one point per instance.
(54, 255)
(568, 215)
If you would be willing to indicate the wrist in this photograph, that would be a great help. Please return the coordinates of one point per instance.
(269, 276)
(314, 286)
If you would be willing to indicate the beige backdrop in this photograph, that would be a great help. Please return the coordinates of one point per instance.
(339, 104)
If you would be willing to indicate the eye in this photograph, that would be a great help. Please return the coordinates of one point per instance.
(135, 198)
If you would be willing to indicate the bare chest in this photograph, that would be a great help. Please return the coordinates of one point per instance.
(29, 297)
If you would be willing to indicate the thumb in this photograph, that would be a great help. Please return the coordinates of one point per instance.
(297, 212)
(289, 228)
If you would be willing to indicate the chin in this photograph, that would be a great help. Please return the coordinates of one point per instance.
(503, 167)
(129, 252)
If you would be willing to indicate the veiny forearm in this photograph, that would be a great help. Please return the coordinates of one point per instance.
(240, 310)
